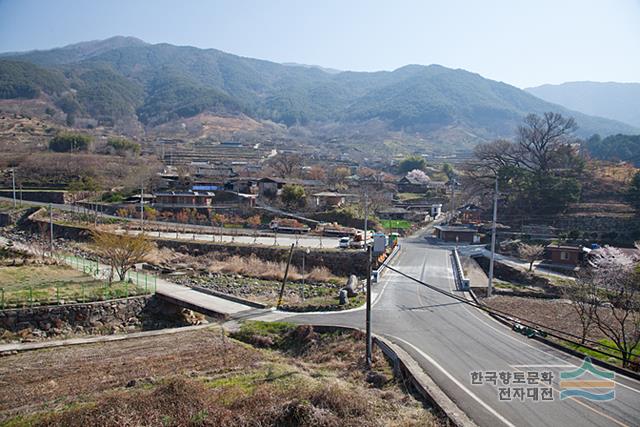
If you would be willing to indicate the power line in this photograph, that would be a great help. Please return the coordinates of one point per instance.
(509, 318)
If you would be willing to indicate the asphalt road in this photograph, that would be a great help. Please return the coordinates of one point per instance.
(282, 239)
(451, 340)
(242, 235)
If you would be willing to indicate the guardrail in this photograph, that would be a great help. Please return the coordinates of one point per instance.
(462, 283)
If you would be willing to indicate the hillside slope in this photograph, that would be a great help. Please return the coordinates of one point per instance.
(126, 80)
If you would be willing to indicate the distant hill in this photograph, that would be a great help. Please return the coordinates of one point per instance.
(616, 101)
(123, 79)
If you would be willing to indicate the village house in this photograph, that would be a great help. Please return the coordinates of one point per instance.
(242, 185)
(270, 187)
(409, 184)
(457, 233)
(330, 199)
(184, 199)
(565, 255)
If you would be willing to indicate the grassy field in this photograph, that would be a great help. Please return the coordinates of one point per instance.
(607, 343)
(264, 375)
(391, 224)
(54, 284)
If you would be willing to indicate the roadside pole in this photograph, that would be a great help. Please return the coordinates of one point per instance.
(50, 229)
(366, 217)
(493, 238)
(141, 207)
(368, 315)
(13, 179)
(286, 273)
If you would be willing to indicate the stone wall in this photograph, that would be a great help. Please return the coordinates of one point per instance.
(135, 313)
(339, 262)
(514, 275)
(60, 197)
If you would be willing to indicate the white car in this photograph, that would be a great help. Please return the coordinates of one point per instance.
(344, 242)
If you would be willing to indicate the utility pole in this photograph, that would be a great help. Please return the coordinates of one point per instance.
(453, 197)
(284, 278)
(493, 238)
(366, 217)
(13, 179)
(368, 315)
(50, 229)
(141, 207)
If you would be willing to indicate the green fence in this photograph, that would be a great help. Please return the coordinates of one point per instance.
(94, 287)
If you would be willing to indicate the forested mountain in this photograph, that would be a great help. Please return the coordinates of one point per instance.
(125, 78)
(617, 101)
(615, 147)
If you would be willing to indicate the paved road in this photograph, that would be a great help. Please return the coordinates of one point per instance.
(450, 340)
(279, 240)
(241, 235)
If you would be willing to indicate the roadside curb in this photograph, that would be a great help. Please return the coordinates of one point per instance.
(404, 365)
(423, 383)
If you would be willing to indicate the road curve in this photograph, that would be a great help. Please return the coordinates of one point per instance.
(450, 340)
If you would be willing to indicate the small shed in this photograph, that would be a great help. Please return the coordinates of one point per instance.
(567, 255)
(457, 233)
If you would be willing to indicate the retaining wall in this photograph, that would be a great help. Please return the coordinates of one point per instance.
(339, 262)
(146, 312)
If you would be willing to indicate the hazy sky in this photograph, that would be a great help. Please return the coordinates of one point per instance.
(522, 42)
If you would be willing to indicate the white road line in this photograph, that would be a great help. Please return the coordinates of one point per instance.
(456, 382)
(464, 306)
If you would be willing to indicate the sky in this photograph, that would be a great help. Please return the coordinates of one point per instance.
(521, 42)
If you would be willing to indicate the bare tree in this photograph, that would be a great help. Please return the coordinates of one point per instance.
(542, 138)
(530, 253)
(287, 164)
(121, 251)
(583, 294)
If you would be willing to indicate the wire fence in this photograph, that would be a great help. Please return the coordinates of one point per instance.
(95, 286)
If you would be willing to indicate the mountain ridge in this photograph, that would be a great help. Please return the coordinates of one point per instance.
(614, 100)
(124, 79)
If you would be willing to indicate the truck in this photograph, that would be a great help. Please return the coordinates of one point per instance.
(333, 229)
(288, 225)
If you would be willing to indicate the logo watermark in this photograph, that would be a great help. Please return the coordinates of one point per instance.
(587, 382)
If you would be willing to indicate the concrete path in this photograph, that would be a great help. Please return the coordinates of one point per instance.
(198, 301)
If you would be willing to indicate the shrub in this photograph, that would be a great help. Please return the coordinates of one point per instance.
(69, 142)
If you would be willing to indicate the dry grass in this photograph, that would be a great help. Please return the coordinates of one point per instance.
(250, 266)
(253, 266)
(201, 378)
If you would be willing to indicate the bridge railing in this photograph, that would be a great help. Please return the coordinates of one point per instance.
(462, 283)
